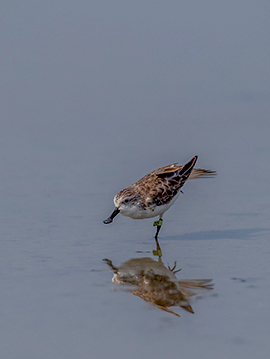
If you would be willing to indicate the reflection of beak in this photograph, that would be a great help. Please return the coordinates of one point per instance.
(110, 219)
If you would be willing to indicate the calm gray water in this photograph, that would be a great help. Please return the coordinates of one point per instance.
(94, 95)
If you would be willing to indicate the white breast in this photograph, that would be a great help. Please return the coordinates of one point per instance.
(136, 212)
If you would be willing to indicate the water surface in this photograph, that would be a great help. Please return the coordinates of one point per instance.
(94, 96)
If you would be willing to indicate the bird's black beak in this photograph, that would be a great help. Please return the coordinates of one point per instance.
(110, 219)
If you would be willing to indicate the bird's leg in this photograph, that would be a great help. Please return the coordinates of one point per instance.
(158, 224)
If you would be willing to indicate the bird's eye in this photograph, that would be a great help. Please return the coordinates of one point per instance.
(126, 200)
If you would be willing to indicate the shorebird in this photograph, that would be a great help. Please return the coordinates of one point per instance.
(156, 192)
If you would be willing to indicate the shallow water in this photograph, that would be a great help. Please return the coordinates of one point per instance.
(143, 86)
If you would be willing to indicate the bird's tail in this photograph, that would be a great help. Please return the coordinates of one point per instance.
(201, 173)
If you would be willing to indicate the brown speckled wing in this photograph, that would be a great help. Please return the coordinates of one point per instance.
(195, 173)
(160, 186)
(173, 181)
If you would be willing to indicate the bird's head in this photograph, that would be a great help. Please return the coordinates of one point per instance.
(124, 203)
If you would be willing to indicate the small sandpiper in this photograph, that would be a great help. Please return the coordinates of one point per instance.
(156, 192)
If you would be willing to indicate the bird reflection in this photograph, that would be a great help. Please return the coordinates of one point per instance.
(157, 284)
